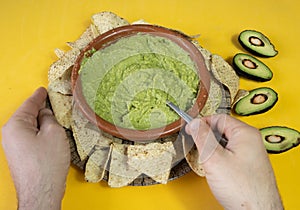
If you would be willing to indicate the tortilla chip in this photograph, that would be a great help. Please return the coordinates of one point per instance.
(177, 144)
(86, 134)
(162, 178)
(61, 86)
(88, 35)
(97, 164)
(120, 173)
(225, 74)
(139, 22)
(106, 21)
(59, 53)
(240, 94)
(63, 83)
(58, 68)
(214, 99)
(152, 159)
(192, 156)
(61, 106)
(205, 53)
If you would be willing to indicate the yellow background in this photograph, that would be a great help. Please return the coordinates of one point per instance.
(32, 29)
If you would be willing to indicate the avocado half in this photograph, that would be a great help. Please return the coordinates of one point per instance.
(279, 139)
(257, 43)
(258, 101)
(251, 68)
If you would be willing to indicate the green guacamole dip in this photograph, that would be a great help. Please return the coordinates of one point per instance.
(129, 81)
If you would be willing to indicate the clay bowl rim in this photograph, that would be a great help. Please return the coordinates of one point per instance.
(113, 35)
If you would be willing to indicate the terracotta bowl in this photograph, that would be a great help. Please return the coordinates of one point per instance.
(131, 134)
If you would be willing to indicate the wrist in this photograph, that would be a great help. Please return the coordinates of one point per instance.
(36, 196)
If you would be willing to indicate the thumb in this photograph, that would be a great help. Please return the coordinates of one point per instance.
(204, 139)
(47, 122)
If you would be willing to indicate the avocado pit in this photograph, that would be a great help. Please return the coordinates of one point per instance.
(256, 41)
(259, 99)
(274, 139)
(249, 64)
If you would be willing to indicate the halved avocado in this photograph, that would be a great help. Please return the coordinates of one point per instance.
(257, 101)
(251, 68)
(257, 43)
(278, 139)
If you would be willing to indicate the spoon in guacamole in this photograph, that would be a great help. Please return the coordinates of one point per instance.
(187, 118)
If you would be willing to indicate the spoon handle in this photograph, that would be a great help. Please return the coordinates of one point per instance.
(187, 118)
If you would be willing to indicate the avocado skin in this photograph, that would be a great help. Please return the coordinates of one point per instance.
(256, 112)
(248, 76)
(261, 111)
(280, 151)
(249, 49)
(294, 144)
(253, 51)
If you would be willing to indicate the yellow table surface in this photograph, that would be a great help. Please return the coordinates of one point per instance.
(31, 30)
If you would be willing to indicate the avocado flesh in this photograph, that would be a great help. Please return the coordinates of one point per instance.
(251, 68)
(288, 137)
(257, 43)
(257, 101)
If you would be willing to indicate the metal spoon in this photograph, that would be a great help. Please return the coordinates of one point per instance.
(187, 118)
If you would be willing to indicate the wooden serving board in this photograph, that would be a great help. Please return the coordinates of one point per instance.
(177, 171)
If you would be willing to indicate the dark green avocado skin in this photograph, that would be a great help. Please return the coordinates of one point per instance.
(280, 151)
(253, 51)
(294, 144)
(259, 111)
(248, 76)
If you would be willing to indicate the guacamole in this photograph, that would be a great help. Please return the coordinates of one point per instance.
(129, 81)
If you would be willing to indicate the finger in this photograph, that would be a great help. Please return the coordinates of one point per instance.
(225, 124)
(50, 130)
(29, 110)
(204, 138)
(46, 117)
(48, 123)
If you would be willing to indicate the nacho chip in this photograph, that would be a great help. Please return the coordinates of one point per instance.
(225, 74)
(88, 35)
(61, 86)
(205, 53)
(214, 99)
(240, 94)
(62, 107)
(139, 22)
(192, 156)
(120, 173)
(86, 134)
(58, 68)
(177, 144)
(59, 53)
(194, 162)
(105, 21)
(152, 159)
(162, 178)
(97, 163)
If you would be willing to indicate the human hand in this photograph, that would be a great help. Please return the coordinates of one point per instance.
(38, 155)
(240, 175)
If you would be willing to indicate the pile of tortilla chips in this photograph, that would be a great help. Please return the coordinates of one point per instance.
(104, 153)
